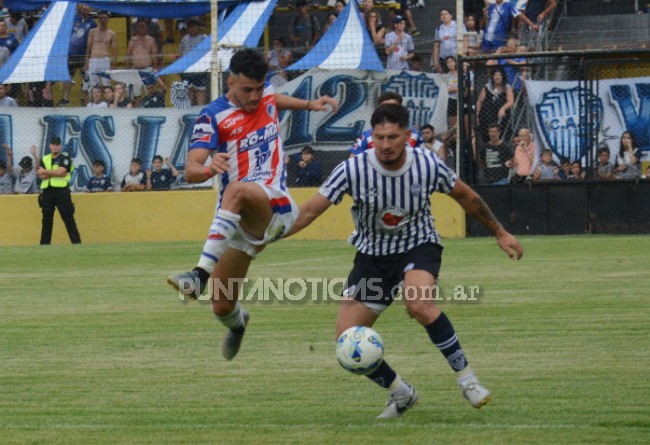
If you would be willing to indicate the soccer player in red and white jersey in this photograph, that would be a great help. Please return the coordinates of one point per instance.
(241, 132)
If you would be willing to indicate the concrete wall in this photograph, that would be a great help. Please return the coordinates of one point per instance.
(173, 216)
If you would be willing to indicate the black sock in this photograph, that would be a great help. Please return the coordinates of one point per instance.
(442, 334)
(383, 376)
(203, 275)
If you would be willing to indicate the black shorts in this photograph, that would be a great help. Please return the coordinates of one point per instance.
(452, 107)
(377, 279)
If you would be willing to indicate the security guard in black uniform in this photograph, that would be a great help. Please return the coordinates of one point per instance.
(55, 171)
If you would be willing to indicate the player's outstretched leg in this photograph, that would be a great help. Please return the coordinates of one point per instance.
(442, 334)
(227, 281)
(236, 323)
(194, 282)
(402, 396)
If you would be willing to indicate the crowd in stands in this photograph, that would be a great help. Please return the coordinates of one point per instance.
(502, 154)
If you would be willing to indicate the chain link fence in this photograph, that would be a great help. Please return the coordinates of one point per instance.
(555, 116)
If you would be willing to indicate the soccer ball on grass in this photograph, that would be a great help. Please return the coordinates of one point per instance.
(360, 350)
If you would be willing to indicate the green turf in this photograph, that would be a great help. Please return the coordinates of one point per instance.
(95, 349)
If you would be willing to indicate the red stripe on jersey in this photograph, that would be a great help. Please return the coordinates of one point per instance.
(242, 164)
(275, 161)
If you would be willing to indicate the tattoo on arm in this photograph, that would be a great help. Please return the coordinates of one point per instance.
(484, 215)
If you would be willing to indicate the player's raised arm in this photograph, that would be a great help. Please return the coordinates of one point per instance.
(309, 211)
(473, 204)
(323, 103)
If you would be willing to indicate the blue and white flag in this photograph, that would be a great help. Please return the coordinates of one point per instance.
(346, 45)
(43, 54)
(242, 27)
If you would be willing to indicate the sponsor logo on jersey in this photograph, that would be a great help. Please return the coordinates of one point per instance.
(203, 130)
(232, 120)
(392, 219)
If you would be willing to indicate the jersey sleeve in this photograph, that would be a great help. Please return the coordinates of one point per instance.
(205, 133)
(360, 145)
(336, 185)
(444, 178)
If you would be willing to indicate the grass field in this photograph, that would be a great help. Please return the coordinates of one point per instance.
(95, 349)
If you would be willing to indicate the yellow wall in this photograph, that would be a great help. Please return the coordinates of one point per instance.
(173, 216)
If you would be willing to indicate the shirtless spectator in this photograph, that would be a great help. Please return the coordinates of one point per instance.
(101, 51)
(142, 56)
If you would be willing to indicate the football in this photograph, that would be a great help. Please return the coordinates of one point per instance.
(360, 350)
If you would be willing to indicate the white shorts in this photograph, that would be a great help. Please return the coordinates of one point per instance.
(98, 65)
(285, 214)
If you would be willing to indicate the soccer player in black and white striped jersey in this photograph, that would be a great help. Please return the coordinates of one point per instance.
(397, 241)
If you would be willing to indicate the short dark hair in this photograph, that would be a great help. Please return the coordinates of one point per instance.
(603, 150)
(427, 127)
(3, 166)
(494, 125)
(390, 114)
(137, 161)
(158, 158)
(249, 63)
(389, 95)
(547, 150)
(564, 160)
(280, 39)
(307, 149)
(99, 162)
(340, 1)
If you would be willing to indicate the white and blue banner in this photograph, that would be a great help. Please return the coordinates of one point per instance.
(39, 56)
(115, 136)
(242, 27)
(345, 45)
(621, 105)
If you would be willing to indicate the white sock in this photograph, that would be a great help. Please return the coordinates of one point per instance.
(234, 319)
(465, 375)
(399, 388)
(222, 230)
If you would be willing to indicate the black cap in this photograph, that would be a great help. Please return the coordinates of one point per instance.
(55, 140)
(398, 18)
(26, 162)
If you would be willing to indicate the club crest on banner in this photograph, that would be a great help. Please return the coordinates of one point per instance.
(419, 95)
(563, 122)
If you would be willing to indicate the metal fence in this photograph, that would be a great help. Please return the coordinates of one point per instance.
(547, 116)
